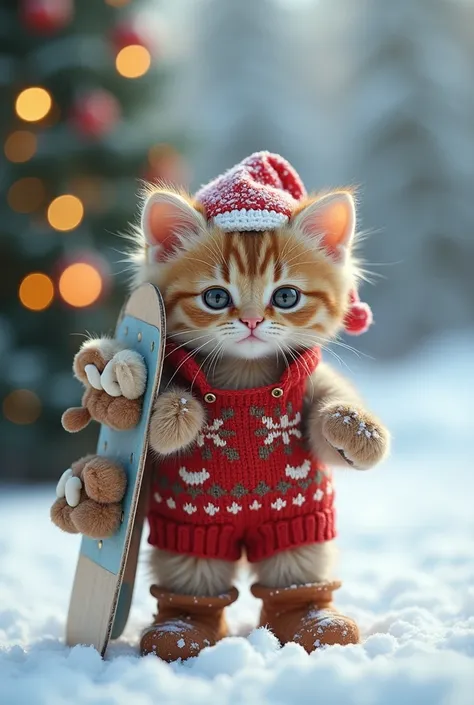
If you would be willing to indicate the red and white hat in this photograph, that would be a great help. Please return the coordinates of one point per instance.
(260, 193)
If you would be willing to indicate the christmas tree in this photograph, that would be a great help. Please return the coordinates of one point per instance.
(78, 134)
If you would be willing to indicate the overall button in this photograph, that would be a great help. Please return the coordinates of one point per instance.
(277, 392)
(210, 398)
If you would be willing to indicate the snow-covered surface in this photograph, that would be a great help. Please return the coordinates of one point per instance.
(407, 561)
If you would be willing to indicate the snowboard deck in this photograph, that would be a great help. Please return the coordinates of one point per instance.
(105, 575)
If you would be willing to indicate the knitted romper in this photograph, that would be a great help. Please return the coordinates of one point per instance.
(249, 482)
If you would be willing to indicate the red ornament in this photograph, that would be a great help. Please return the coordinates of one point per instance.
(95, 114)
(124, 35)
(46, 16)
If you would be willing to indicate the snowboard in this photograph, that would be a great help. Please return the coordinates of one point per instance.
(105, 573)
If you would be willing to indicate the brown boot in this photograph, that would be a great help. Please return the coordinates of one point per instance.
(185, 624)
(305, 615)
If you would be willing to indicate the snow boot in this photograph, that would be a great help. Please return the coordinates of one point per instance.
(305, 614)
(185, 624)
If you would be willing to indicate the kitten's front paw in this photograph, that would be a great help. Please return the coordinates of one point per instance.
(356, 435)
(176, 421)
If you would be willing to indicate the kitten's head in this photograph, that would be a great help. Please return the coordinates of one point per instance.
(249, 294)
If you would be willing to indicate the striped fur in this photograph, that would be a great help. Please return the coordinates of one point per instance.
(250, 265)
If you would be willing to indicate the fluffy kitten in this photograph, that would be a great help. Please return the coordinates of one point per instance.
(245, 304)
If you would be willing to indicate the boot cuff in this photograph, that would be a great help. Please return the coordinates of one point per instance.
(297, 594)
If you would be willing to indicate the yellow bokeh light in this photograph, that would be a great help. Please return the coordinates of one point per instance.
(80, 284)
(36, 291)
(33, 104)
(133, 61)
(117, 3)
(65, 212)
(21, 406)
(20, 146)
(26, 195)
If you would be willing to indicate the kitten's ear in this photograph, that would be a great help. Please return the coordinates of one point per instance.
(165, 217)
(331, 221)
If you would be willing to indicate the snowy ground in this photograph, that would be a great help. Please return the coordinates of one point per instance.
(407, 561)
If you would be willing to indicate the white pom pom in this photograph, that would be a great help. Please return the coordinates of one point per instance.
(73, 491)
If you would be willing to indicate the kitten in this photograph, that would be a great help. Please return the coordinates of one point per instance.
(246, 304)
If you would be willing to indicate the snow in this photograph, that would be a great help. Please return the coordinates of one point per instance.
(407, 562)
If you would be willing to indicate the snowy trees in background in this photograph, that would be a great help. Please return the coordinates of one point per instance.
(375, 93)
(410, 143)
(240, 89)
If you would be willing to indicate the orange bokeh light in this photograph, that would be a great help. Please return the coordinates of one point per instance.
(117, 3)
(20, 146)
(22, 406)
(33, 104)
(65, 212)
(133, 61)
(36, 291)
(80, 284)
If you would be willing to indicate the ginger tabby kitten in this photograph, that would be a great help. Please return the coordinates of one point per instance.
(246, 304)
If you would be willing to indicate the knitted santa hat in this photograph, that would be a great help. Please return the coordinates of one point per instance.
(260, 193)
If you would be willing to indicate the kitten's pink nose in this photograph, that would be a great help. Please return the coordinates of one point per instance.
(252, 321)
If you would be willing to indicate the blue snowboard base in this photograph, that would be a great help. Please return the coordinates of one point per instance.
(105, 574)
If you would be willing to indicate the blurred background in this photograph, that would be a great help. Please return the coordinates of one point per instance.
(98, 95)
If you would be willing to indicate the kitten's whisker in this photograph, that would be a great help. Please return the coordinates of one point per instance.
(188, 342)
(193, 352)
(203, 363)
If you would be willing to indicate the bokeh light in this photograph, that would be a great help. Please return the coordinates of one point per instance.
(117, 3)
(133, 61)
(80, 284)
(20, 146)
(33, 104)
(65, 212)
(22, 406)
(26, 195)
(36, 291)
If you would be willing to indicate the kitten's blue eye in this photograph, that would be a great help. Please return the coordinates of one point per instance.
(285, 297)
(217, 298)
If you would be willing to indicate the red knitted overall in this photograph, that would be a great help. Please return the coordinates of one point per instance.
(249, 481)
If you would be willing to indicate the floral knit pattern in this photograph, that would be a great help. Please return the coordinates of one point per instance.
(249, 481)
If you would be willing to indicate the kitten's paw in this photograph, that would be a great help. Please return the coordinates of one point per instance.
(176, 421)
(92, 358)
(124, 375)
(358, 437)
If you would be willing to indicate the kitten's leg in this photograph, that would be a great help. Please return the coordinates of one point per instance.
(176, 421)
(340, 431)
(192, 594)
(307, 564)
(296, 588)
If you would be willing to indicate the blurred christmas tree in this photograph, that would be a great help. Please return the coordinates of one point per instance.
(76, 78)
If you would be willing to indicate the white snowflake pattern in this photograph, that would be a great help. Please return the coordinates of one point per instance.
(194, 478)
(211, 509)
(279, 504)
(171, 503)
(255, 506)
(189, 508)
(157, 497)
(299, 500)
(211, 432)
(283, 428)
(350, 415)
(234, 508)
(299, 472)
(318, 495)
(329, 489)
